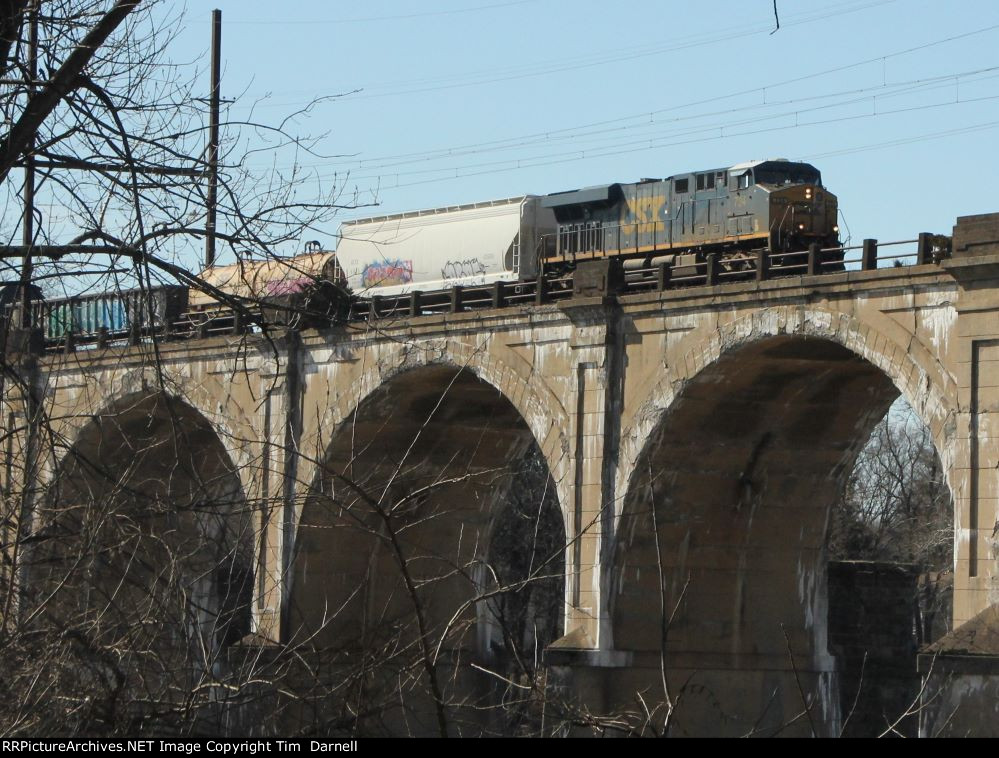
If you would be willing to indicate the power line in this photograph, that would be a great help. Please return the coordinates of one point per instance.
(609, 134)
(626, 54)
(544, 68)
(579, 155)
(546, 136)
(904, 141)
(888, 91)
(881, 92)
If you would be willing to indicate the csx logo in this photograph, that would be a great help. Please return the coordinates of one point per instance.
(646, 211)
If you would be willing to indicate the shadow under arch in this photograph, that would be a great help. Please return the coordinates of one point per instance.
(142, 559)
(431, 543)
(724, 524)
(526, 390)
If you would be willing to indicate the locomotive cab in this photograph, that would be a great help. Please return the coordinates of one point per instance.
(800, 210)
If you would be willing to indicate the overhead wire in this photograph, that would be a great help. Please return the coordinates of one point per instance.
(647, 117)
(645, 145)
(650, 130)
(661, 130)
(545, 135)
(885, 91)
(624, 55)
(544, 68)
(984, 126)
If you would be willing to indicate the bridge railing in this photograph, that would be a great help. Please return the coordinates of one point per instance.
(765, 265)
(460, 299)
(131, 318)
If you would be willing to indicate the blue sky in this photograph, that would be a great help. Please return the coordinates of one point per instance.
(442, 103)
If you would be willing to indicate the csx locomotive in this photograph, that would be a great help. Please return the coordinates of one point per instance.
(774, 204)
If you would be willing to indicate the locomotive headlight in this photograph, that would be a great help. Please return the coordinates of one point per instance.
(808, 193)
(835, 228)
(801, 227)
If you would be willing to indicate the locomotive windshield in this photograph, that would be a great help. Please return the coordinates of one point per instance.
(788, 173)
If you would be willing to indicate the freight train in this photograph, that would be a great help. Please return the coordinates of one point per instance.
(730, 213)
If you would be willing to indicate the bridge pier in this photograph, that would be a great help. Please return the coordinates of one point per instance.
(594, 363)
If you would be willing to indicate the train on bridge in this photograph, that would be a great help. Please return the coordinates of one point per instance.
(777, 205)
(675, 224)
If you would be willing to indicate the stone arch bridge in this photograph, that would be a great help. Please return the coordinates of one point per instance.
(691, 443)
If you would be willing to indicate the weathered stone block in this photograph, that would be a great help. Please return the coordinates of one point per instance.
(976, 235)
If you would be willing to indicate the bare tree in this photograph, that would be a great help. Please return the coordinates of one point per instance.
(898, 509)
(128, 553)
(111, 138)
(129, 566)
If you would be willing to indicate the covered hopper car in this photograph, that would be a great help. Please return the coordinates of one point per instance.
(465, 245)
(310, 285)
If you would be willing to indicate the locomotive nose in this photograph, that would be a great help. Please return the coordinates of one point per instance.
(802, 211)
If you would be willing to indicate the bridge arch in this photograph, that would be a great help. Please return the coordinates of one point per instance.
(911, 367)
(434, 519)
(205, 394)
(730, 470)
(142, 554)
(534, 401)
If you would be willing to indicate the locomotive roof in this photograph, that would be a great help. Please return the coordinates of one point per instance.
(753, 164)
(599, 193)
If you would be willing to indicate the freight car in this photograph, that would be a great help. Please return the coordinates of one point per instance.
(465, 245)
(112, 313)
(290, 291)
(305, 289)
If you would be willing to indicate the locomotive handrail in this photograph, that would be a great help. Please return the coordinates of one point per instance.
(595, 233)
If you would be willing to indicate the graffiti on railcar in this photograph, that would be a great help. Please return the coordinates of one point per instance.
(387, 273)
(289, 286)
(463, 269)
